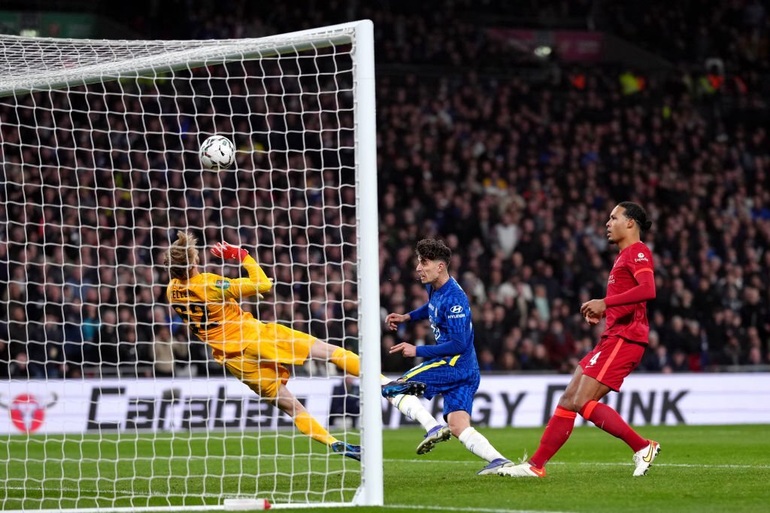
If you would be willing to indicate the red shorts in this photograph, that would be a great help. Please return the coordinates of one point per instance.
(612, 360)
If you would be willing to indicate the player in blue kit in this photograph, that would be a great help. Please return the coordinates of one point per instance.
(450, 368)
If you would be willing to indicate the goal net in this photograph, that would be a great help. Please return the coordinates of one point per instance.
(107, 401)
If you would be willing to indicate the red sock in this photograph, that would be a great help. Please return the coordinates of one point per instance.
(610, 421)
(556, 433)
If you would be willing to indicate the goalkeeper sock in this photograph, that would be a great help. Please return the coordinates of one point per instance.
(347, 361)
(479, 445)
(411, 406)
(309, 426)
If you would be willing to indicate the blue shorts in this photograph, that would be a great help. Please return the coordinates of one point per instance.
(457, 385)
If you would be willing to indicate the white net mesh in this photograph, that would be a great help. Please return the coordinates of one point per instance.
(111, 401)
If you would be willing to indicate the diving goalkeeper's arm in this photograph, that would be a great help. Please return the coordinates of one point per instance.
(256, 284)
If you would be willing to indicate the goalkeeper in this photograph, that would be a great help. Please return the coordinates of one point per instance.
(255, 352)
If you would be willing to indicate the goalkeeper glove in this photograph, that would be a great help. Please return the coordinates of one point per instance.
(227, 251)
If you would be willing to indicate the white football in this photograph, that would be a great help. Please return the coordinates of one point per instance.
(217, 152)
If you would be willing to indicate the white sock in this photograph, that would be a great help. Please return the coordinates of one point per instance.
(479, 445)
(412, 407)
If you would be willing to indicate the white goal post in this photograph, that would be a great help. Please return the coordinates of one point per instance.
(107, 402)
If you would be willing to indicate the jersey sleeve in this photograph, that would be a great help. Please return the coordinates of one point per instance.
(256, 283)
(419, 314)
(455, 333)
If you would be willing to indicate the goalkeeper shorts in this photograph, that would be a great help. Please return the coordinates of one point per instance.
(261, 364)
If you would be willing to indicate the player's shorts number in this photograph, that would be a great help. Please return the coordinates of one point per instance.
(196, 315)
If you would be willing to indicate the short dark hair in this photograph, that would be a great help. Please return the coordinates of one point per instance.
(434, 249)
(637, 213)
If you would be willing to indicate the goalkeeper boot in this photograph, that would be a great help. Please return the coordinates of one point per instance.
(349, 450)
(399, 387)
(643, 459)
(432, 437)
(494, 466)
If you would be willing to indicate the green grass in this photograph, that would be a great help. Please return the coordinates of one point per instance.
(700, 469)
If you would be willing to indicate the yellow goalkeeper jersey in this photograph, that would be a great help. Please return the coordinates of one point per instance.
(210, 305)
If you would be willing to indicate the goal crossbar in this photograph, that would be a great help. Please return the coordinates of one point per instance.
(49, 62)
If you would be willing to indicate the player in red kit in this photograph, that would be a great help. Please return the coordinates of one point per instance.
(630, 285)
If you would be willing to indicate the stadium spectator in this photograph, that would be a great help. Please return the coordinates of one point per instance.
(109, 342)
(19, 368)
(72, 346)
(345, 406)
(656, 358)
(163, 356)
(560, 346)
(54, 346)
(5, 360)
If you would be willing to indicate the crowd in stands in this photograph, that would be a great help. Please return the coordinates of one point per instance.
(695, 30)
(517, 175)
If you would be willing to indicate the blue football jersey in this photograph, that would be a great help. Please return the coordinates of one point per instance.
(449, 313)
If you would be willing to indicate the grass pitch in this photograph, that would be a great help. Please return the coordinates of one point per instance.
(700, 469)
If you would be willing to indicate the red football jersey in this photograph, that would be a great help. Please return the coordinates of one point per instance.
(629, 321)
